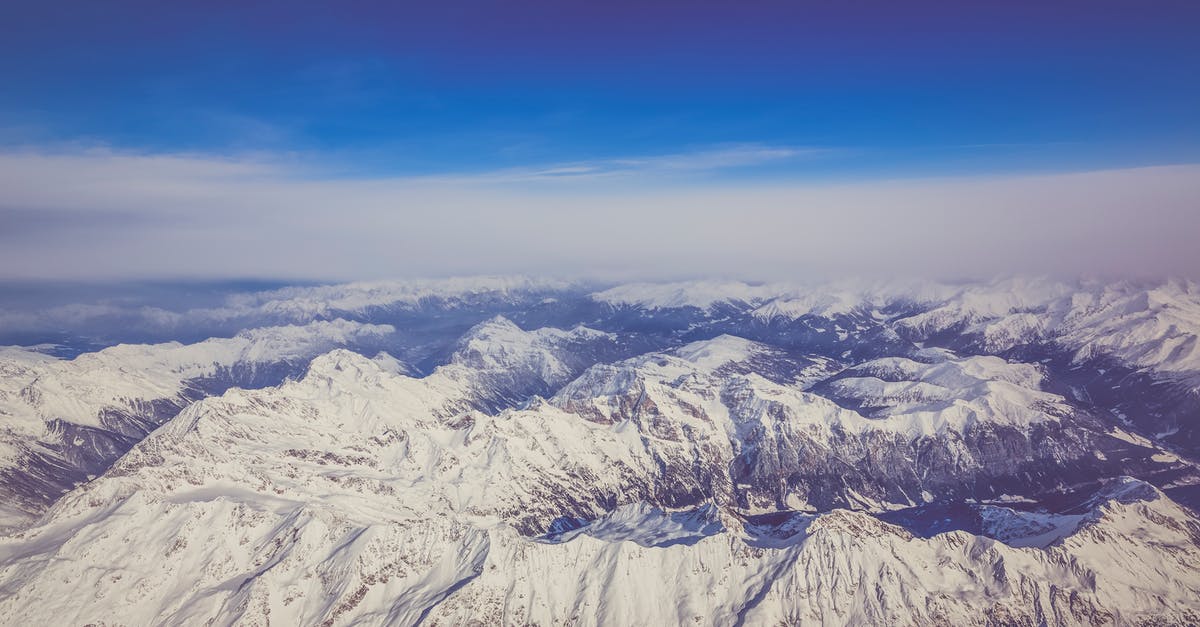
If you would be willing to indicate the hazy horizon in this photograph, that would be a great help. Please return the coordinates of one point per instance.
(140, 217)
(795, 141)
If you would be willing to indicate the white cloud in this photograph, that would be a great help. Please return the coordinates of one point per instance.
(710, 159)
(91, 214)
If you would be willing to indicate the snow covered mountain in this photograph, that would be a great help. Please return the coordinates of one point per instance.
(66, 420)
(326, 500)
(1012, 452)
(1140, 338)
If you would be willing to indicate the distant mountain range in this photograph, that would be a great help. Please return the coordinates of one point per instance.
(504, 450)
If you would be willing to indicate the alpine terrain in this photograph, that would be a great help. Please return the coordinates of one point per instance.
(513, 451)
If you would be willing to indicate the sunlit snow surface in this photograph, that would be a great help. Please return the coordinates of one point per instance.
(515, 451)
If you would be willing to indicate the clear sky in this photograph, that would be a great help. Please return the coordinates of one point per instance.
(126, 122)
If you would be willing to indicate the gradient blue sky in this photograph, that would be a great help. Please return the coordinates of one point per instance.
(689, 94)
(419, 87)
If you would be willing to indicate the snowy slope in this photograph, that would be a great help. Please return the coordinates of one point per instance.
(847, 568)
(887, 433)
(1152, 326)
(697, 294)
(1143, 326)
(322, 302)
(65, 419)
(339, 499)
(704, 452)
(140, 314)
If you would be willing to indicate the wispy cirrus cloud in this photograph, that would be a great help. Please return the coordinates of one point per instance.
(702, 160)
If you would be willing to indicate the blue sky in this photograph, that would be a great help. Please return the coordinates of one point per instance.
(125, 126)
(925, 88)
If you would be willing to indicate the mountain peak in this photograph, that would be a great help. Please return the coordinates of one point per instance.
(718, 351)
(1125, 490)
(345, 365)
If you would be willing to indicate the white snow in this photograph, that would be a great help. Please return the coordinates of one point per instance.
(340, 498)
(37, 390)
(363, 495)
(1156, 326)
(699, 294)
(1132, 438)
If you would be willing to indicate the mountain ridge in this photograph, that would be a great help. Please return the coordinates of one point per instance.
(750, 471)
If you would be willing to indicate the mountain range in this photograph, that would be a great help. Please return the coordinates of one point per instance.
(503, 450)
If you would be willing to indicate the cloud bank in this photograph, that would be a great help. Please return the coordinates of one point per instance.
(91, 214)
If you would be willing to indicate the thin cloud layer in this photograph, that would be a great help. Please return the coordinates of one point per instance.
(100, 214)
